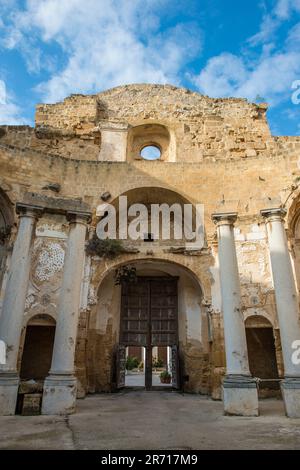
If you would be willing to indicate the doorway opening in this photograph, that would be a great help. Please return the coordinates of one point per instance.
(38, 347)
(135, 366)
(262, 355)
(161, 366)
(35, 363)
(149, 333)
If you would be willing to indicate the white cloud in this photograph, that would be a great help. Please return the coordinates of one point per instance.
(10, 113)
(106, 43)
(272, 20)
(222, 76)
(268, 74)
(2, 92)
(268, 27)
(284, 8)
(230, 75)
(293, 38)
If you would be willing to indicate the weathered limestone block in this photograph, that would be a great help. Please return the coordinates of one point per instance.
(240, 397)
(31, 404)
(290, 389)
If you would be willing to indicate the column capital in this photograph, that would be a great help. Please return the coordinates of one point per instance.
(78, 217)
(29, 210)
(224, 218)
(274, 213)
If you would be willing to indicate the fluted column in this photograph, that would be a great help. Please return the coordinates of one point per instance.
(13, 305)
(239, 389)
(60, 386)
(287, 306)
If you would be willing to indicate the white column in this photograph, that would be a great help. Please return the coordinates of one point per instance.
(60, 386)
(11, 319)
(239, 389)
(144, 359)
(169, 359)
(287, 306)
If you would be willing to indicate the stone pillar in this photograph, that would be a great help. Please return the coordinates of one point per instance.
(144, 359)
(60, 386)
(239, 389)
(11, 319)
(169, 359)
(287, 307)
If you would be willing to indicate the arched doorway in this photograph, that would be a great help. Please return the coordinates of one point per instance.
(295, 241)
(105, 339)
(38, 348)
(6, 223)
(262, 355)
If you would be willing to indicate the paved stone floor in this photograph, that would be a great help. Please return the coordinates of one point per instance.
(152, 420)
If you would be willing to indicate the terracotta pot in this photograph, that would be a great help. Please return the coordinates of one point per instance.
(165, 380)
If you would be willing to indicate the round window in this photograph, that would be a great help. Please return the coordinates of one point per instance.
(150, 152)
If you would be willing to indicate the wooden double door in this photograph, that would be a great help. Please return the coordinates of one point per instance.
(149, 317)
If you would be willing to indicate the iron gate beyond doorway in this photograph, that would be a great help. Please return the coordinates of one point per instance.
(149, 317)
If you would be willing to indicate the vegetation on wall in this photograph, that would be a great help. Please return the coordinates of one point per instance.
(104, 248)
(125, 274)
(4, 234)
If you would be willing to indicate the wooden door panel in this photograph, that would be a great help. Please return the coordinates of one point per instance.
(135, 314)
(164, 312)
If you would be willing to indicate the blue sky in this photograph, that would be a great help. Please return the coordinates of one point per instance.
(50, 49)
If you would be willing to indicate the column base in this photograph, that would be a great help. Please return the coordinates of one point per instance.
(240, 396)
(290, 389)
(59, 395)
(9, 385)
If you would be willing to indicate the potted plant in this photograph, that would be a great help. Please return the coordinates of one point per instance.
(165, 377)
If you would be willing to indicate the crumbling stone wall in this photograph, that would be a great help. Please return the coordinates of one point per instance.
(219, 152)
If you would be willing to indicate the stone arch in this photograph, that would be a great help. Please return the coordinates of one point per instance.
(201, 276)
(292, 205)
(263, 316)
(104, 323)
(46, 318)
(6, 210)
(153, 194)
(7, 221)
(293, 225)
(148, 195)
(151, 133)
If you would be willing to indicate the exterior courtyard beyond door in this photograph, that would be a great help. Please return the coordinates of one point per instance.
(149, 319)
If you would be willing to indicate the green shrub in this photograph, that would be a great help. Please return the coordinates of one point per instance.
(104, 248)
(158, 363)
(132, 363)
